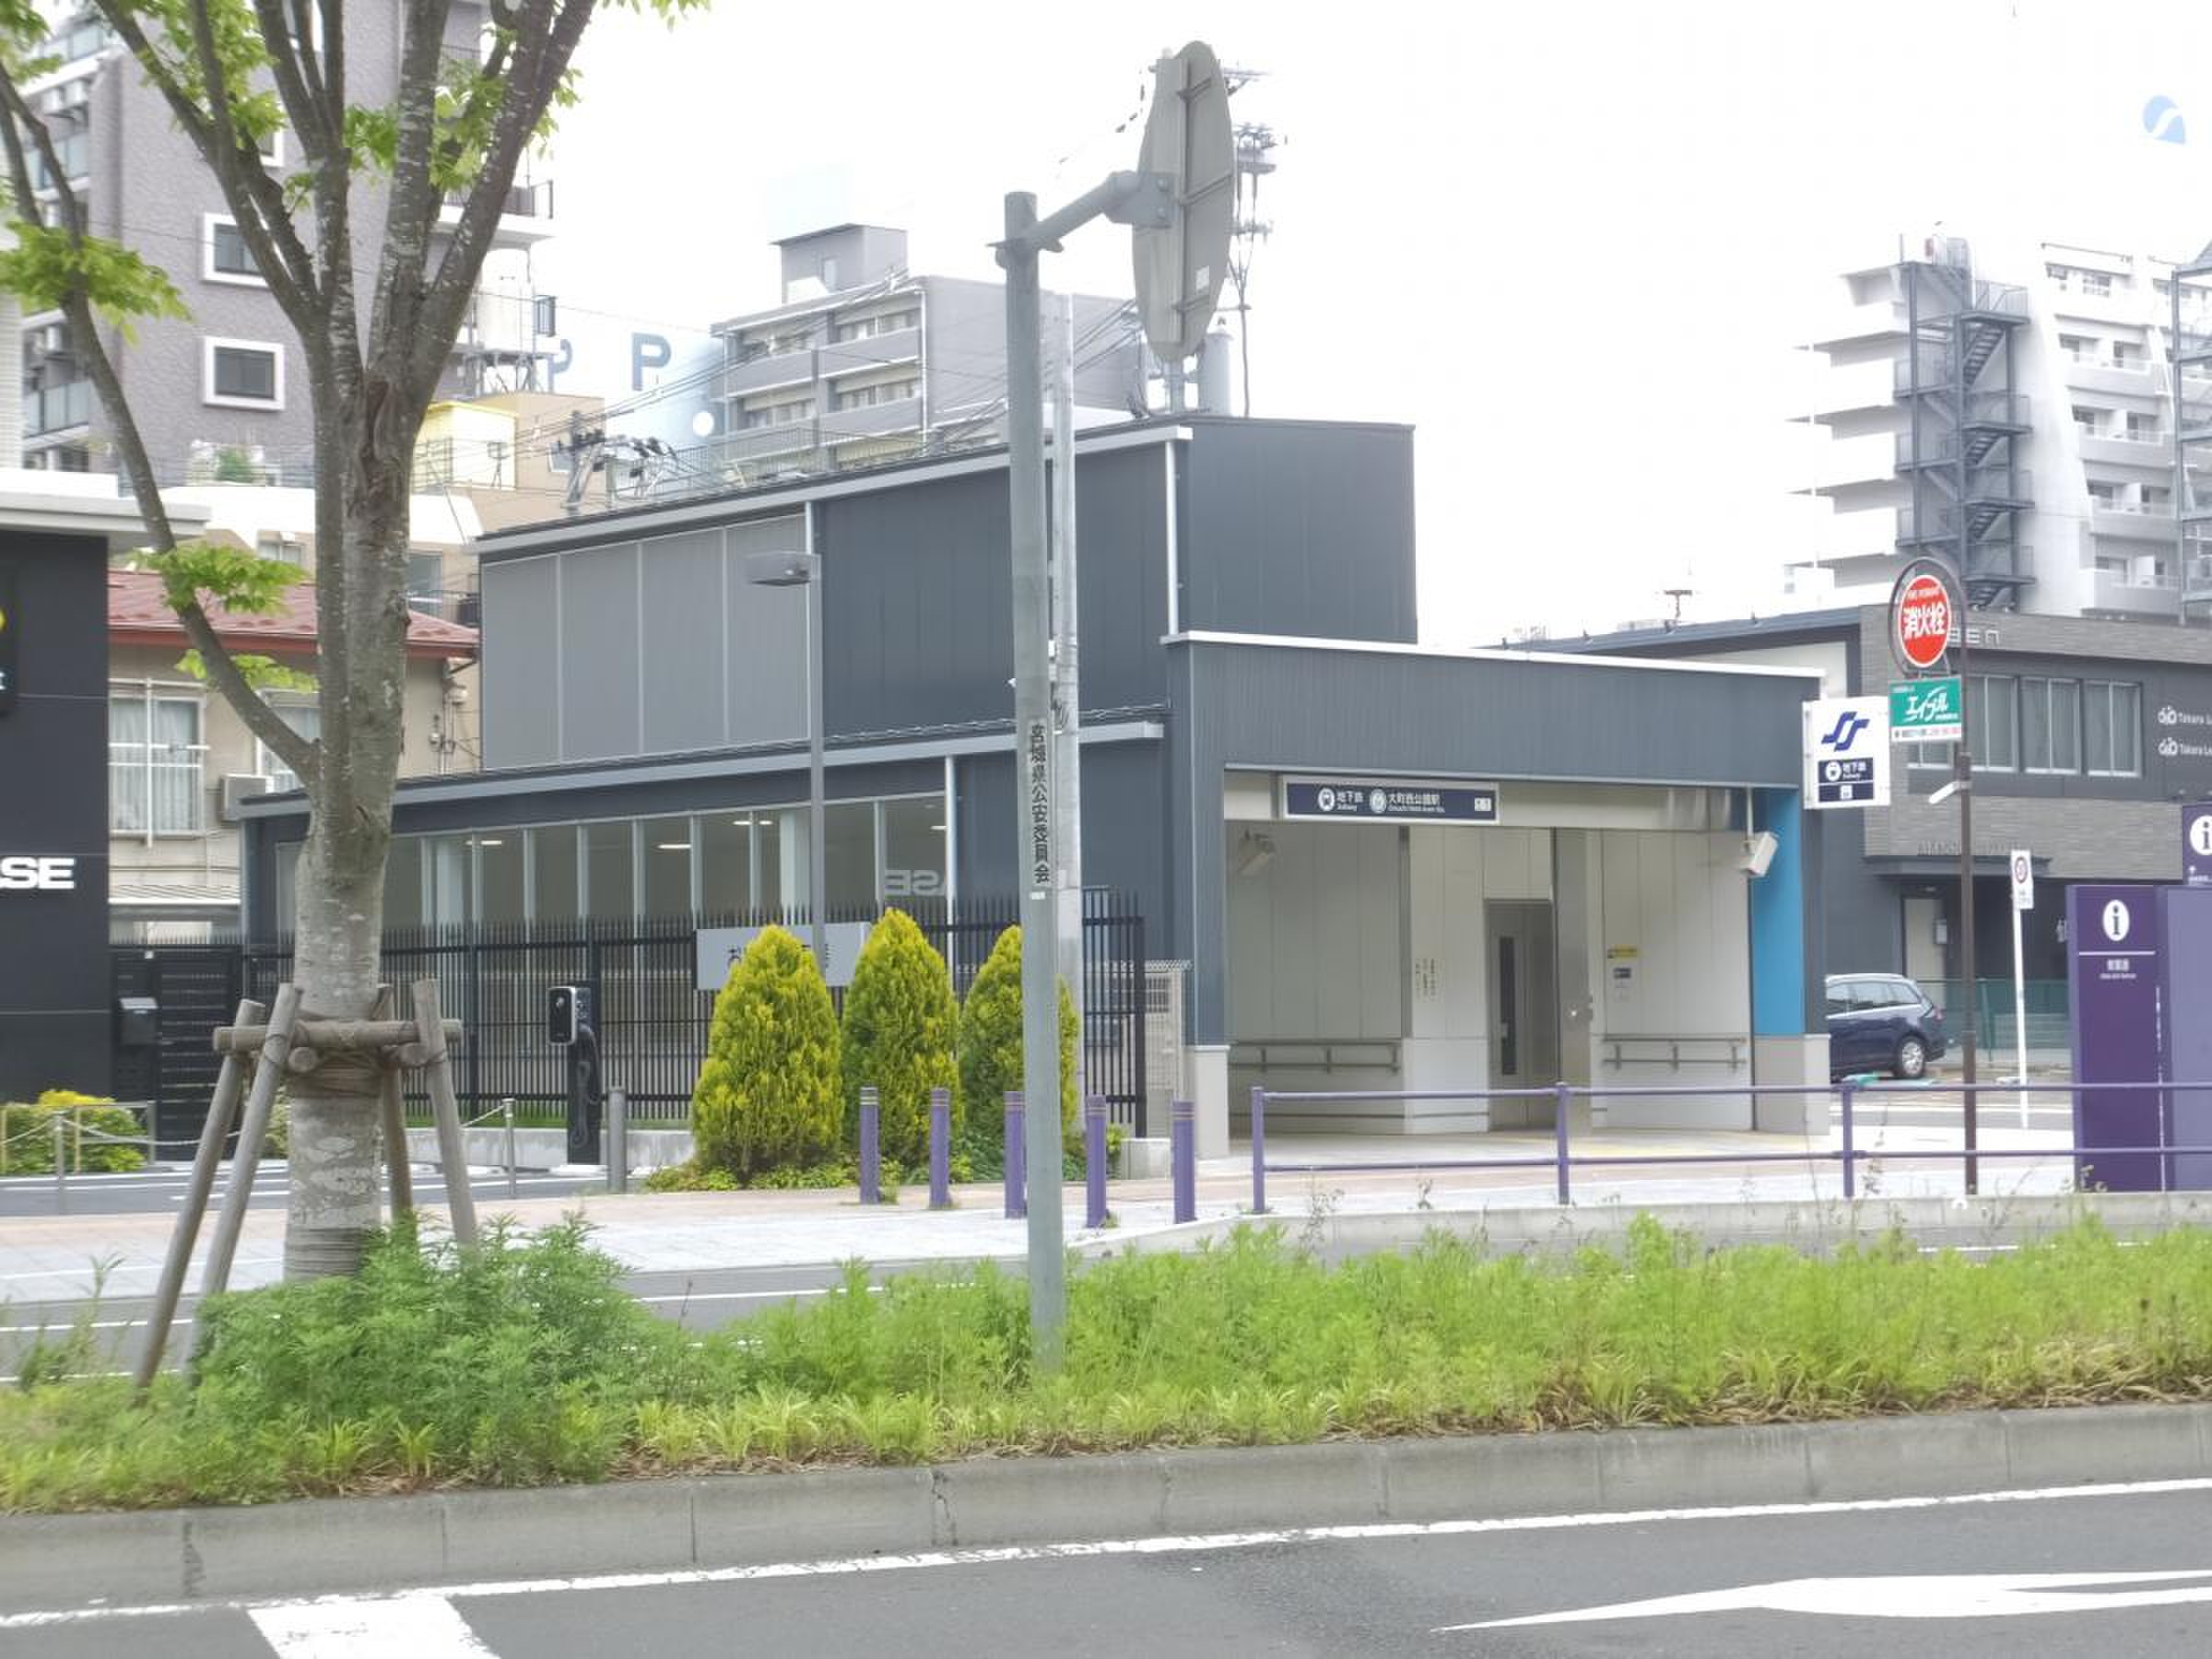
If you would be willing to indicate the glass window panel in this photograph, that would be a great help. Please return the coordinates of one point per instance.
(726, 853)
(2066, 725)
(304, 718)
(607, 856)
(2097, 728)
(402, 882)
(449, 893)
(499, 876)
(914, 850)
(668, 867)
(2035, 724)
(780, 860)
(1996, 723)
(553, 874)
(849, 843)
(2127, 730)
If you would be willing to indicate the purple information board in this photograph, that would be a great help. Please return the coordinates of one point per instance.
(2185, 955)
(2113, 966)
(2197, 844)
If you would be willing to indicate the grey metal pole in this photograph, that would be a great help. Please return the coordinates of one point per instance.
(60, 1164)
(1969, 1036)
(1067, 688)
(1034, 796)
(817, 834)
(617, 1141)
(507, 1124)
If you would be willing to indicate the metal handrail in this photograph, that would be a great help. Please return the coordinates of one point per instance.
(1847, 1156)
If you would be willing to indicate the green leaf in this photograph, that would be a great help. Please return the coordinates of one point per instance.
(48, 266)
(264, 674)
(241, 581)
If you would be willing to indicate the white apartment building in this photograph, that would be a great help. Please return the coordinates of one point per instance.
(2014, 416)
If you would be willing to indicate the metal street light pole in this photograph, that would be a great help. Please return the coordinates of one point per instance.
(803, 569)
(1034, 748)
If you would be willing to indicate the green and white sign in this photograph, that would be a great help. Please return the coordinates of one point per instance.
(1927, 710)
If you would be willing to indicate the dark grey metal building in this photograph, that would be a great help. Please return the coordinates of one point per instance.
(1551, 883)
(2089, 736)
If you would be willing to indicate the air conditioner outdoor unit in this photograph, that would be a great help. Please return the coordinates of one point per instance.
(238, 787)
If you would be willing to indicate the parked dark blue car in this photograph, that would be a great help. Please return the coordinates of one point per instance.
(1881, 1022)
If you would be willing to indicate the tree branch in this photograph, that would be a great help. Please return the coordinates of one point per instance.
(222, 671)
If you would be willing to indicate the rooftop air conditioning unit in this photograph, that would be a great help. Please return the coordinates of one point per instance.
(239, 787)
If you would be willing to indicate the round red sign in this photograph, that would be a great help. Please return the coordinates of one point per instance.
(1924, 621)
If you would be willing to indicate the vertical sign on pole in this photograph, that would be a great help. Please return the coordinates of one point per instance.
(2113, 969)
(2197, 844)
(2023, 900)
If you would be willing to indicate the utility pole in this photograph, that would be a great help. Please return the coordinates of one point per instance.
(1067, 793)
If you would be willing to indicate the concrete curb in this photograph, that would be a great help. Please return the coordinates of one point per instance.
(337, 1545)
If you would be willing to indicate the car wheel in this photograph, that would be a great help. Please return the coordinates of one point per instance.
(1912, 1059)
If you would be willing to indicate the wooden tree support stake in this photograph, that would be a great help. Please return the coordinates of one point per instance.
(229, 1084)
(445, 1110)
(275, 1050)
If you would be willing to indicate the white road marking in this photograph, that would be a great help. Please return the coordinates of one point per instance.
(1931, 1596)
(410, 1627)
(1187, 1544)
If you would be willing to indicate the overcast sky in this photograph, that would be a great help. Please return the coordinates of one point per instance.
(1573, 245)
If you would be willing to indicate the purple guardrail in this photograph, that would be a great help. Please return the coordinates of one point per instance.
(1847, 1156)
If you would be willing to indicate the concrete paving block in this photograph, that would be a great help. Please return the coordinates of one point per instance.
(623, 1526)
(1905, 1456)
(1482, 1477)
(986, 1500)
(1661, 1468)
(69, 1560)
(1240, 1488)
(319, 1544)
(812, 1515)
(2092, 1443)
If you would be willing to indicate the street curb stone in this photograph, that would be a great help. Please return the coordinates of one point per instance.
(328, 1546)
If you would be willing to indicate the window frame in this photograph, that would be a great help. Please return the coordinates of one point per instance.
(212, 343)
(211, 272)
(148, 697)
(2050, 768)
(2107, 692)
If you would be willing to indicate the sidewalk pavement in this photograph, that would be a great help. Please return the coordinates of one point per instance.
(51, 1258)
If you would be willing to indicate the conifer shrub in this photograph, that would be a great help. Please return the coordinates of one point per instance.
(767, 1096)
(898, 1037)
(990, 1040)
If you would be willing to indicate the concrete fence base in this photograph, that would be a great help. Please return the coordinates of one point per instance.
(329, 1545)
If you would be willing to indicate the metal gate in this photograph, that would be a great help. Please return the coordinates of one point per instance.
(197, 988)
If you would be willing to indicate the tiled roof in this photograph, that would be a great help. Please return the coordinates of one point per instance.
(138, 615)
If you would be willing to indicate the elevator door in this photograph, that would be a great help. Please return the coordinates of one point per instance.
(1524, 994)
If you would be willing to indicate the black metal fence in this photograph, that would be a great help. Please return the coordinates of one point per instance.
(653, 1019)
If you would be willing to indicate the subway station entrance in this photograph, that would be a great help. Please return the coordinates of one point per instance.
(1595, 935)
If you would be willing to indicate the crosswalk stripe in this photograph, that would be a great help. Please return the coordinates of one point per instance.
(406, 1626)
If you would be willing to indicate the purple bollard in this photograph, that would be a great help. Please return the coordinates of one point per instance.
(940, 1148)
(1094, 1161)
(1259, 1150)
(1182, 1160)
(871, 1147)
(1018, 1203)
(1851, 1173)
(1562, 1099)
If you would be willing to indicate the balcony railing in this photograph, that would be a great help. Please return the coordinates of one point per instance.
(58, 409)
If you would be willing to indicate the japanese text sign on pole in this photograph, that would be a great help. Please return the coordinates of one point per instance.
(2023, 880)
(1847, 753)
(1924, 618)
(2197, 844)
(1928, 710)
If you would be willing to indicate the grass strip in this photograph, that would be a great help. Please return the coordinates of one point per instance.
(524, 1363)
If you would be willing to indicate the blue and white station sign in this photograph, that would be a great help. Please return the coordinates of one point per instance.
(1389, 801)
(2197, 844)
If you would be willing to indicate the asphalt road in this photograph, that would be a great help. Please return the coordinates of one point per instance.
(1965, 1578)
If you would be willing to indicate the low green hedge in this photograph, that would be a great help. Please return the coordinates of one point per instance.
(26, 1134)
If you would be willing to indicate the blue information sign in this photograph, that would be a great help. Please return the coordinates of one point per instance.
(2197, 844)
(1389, 801)
(2112, 958)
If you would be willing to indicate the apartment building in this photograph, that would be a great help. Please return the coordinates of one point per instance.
(221, 394)
(863, 361)
(2014, 415)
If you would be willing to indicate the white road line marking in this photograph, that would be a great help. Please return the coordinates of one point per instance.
(1899, 1595)
(412, 1627)
(1187, 1544)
